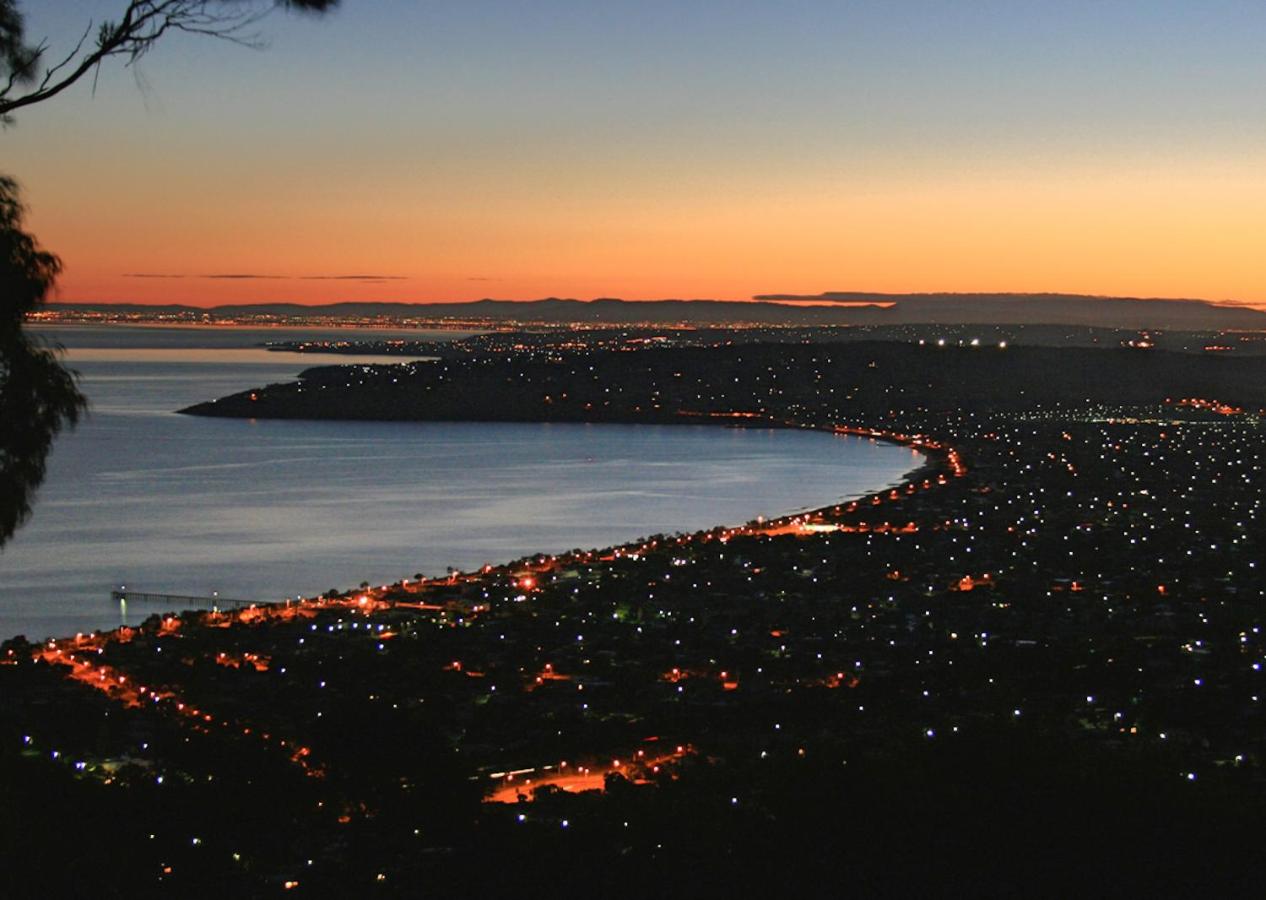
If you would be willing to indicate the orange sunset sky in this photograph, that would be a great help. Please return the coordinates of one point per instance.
(663, 149)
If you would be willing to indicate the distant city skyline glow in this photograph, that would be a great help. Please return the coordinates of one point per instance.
(397, 151)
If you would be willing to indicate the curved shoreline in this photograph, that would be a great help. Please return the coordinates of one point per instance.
(79, 658)
(941, 464)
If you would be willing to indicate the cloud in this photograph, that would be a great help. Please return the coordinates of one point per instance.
(353, 277)
(257, 276)
(1250, 304)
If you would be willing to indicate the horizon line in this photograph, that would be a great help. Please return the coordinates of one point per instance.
(825, 299)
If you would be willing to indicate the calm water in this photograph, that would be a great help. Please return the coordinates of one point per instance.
(261, 510)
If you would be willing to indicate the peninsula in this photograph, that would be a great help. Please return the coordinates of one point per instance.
(1046, 645)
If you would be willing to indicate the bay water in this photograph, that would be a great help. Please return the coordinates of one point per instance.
(140, 496)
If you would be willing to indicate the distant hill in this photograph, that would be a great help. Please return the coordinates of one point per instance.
(772, 309)
(1043, 309)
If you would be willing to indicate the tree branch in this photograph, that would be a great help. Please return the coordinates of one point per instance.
(143, 22)
(53, 70)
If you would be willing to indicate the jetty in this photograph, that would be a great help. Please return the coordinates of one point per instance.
(179, 601)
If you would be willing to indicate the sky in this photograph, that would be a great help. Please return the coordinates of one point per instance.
(661, 148)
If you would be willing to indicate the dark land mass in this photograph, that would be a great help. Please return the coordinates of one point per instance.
(1051, 309)
(863, 309)
(542, 340)
(1035, 668)
(769, 383)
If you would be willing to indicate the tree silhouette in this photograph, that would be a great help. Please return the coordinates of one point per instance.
(38, 395)
(29, 78)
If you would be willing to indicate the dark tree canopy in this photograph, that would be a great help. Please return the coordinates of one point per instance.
(39, 396)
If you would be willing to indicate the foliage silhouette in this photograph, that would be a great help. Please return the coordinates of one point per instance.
(27, 76)
(39, 396)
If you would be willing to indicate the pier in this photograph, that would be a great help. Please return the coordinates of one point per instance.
(179, 601)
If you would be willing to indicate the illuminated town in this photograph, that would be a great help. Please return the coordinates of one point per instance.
(1067, 587)
(646, 450)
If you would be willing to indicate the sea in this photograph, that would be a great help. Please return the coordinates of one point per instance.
(138, 496)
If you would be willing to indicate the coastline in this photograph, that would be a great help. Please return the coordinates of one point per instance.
(940, 464)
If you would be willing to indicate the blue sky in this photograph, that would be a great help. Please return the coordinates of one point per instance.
(586, 149)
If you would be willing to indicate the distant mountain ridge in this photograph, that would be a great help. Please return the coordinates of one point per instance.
(1045, 309)
(769, 309)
